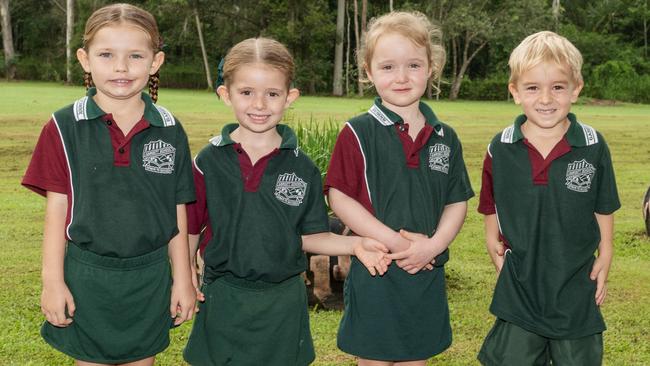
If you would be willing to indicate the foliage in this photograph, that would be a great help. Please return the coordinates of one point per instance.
(317, 140)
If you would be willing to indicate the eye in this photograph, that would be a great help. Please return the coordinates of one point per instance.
(104, 54)
(532, 88)
(558, 87)
(137, 56)
(245, 92)
(414, 66)
(274, 94)
(387, 67)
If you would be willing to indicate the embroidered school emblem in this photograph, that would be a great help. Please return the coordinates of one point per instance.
(579, 175)
(290, 189)
(158, 157)
(439, 158)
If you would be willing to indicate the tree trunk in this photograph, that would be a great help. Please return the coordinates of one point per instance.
(556, 13)
(390, 5)
(458, 79)
(337, 88)
(206, 65)
(69, 30)
(358, 48)
(7, 40)
(347, 52)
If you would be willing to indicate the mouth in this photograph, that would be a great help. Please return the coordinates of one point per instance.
(121, 82)
(258, 117)
(402, 90)
(546, 110)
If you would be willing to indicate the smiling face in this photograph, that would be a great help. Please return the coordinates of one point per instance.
(258, 95)
(120, 60)
(546, 92)
(399, 69)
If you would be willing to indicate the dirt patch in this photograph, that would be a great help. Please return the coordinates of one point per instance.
(602, 102)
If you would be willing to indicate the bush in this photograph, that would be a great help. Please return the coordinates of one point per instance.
(317, 140)
(618, 80)
(188, 76)
(492, 88)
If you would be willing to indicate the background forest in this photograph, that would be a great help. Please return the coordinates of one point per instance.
(323, 36)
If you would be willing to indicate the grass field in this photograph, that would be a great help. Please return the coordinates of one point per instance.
(25, 107)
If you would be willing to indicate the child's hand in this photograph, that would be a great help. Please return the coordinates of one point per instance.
(419, 255)
(55, 299)
(373, 255)
(183, 302)
(196, 283)
(496, 252)
(599, 273)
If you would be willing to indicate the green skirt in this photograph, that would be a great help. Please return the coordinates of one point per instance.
(122, 307)
(252, 323)
(394, 317)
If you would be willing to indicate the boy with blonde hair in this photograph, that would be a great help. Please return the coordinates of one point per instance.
(548, 195)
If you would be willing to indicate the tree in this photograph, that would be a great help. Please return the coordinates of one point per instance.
(69, 31)
(7, 40)
(206, 64)
(337, 88)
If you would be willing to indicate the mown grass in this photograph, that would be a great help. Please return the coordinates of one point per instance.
(25, 107)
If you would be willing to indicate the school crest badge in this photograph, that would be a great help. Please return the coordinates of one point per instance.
(579, 175)
(439, 158)
(290, 189)
(158, 157)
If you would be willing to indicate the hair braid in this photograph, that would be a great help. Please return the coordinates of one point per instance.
(88, 80)
(154, 81)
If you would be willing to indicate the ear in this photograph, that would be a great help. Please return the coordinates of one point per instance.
(515, 93)
(82, 56)
(576, 92)
(366, 68)
(158, 60)
(291, 97)
(224, 94)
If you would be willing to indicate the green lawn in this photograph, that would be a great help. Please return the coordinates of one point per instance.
(25, 107)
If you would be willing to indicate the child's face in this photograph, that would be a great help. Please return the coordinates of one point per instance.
(120, 59)
(399, 69)
(258, 95)
(546, 93)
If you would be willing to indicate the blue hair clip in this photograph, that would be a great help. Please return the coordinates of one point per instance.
(219, 80)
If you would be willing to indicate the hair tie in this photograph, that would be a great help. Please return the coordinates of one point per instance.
(219, 80)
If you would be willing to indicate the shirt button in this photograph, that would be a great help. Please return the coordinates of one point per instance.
(401, 128)
(109, 122)
(121, 150)
(239, 151)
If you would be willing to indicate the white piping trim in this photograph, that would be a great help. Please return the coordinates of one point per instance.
(488, 150)
(380, 116)
(216, 141)
(365, 165)
(440, 133)
(591, 138)
(67, 161)
(498, 221)
(197, 165)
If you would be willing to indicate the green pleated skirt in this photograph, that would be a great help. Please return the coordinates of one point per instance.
(251, 323)
(394, 317)
(122, 307)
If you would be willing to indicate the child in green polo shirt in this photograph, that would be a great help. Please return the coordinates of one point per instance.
(259, 206)
(397, 175)
(548, 195)
(116, 170)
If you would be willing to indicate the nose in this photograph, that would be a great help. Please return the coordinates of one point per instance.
(259, 102)
(120, 64)
(546, 97)
(402, 76)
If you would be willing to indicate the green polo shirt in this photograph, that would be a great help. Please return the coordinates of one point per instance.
(546, 216)
(122, 190)
(257, 226)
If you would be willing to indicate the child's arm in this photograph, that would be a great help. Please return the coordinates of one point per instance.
(423, 249)
(600, 270)
(370, 252)
(56, 296)
(194, 247)
(183, 295)
(363, 223)
(495, 248)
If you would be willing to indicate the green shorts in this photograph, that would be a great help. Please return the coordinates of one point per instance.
(510, 345)
(394, 317)
(122, 307)
(247, 323)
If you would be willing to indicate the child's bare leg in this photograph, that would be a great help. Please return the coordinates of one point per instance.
(144, 362)
(364, 362)
(411, 363)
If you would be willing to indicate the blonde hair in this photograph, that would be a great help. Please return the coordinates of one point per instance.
(412, 25)
(262, 50)
(541, 47)
(117, 14)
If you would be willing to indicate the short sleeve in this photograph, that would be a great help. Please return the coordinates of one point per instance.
(184, 182)
(48, 170)
(314, 219)
(347, 169)
(607, 200)
(197, 211)
(486, 201)
(460, 188)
